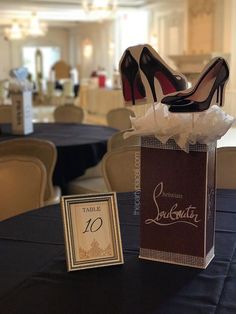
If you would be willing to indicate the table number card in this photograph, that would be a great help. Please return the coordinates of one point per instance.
(92, 231)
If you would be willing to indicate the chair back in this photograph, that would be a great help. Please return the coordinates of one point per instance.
(119, 118)
(22, 185)
(68, 88)
(62, 70)
(226, 168)
(119, 167)
(43, 150)
(5, 113)
(117, 140)
(68, 114)
(50, 91)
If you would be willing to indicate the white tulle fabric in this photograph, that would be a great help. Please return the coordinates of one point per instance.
(19, 82)
(185, 128)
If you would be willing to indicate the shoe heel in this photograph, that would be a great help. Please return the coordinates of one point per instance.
(128, 91)
(152, 86)
(132, 92)
(220, 94)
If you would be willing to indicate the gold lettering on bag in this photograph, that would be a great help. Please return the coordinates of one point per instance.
(173, 215)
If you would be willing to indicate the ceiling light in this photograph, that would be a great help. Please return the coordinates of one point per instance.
(100, 9)
(33, 28)
(15, 32)
(36, 28)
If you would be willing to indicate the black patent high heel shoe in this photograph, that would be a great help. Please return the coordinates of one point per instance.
(132, 85)
(179, 96)
(154, 67)
(199, 97)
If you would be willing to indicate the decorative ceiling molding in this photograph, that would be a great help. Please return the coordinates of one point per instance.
(73, 3)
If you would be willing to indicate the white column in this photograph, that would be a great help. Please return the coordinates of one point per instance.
(186, 28)
(72, 48)
(219, 25)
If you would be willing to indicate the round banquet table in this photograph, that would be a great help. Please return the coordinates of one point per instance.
(34, 278)
(79, 146)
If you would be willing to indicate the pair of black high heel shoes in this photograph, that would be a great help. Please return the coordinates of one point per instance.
(179, 99)
(153, 67)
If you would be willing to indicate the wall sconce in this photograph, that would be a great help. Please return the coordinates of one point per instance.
(87, 48)
(111, 48)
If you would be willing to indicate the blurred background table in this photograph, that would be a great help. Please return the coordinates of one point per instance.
(79, 146)
(100, 100)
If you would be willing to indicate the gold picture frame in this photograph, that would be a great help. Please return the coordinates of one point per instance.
(91, 230)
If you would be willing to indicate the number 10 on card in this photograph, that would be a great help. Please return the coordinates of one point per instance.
(92, 231)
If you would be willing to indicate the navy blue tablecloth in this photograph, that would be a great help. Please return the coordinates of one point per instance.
(79, 146)
(34, 278)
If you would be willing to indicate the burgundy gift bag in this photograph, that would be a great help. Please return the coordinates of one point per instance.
(177, 203)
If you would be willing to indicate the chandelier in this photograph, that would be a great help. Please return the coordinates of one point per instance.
(18, 31)
(100, 9)
(35, 27)
(15, 32)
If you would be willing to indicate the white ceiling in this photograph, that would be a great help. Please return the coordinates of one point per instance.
(67, 11)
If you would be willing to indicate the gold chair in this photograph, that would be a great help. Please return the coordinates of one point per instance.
(5, 113)
(22, 185)
(91, 182)
(119, 169)
(226, 168)
(119, 118)
(117, 140)
(68, 88)
(68, 114)
(62, 70)
(45, 151)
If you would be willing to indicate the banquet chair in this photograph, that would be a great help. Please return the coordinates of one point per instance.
(68, 114)
(91, 182)
(68, 88)
(50, 88)
(43, 150)
(22, 185)
(226, 168)
(118, 167)
(62, 70)
(117, 140)
(119, 118)
(5, 114)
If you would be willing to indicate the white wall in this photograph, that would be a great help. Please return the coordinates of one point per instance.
(5, 58)
(179, 32)
(101, 34)
(168, 24)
